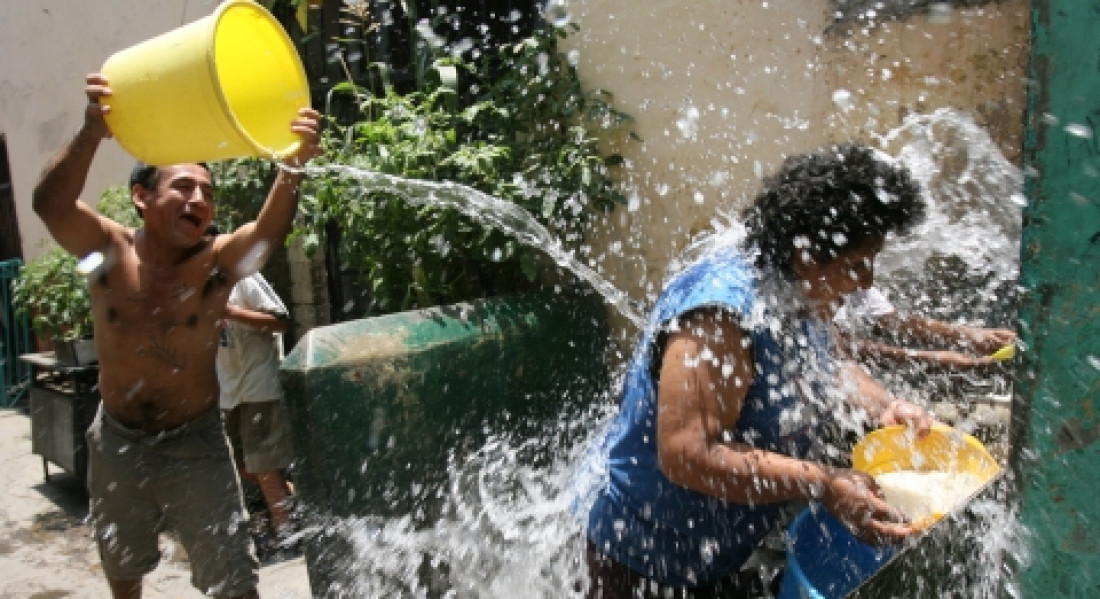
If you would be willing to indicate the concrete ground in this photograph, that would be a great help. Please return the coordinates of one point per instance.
(47, 551)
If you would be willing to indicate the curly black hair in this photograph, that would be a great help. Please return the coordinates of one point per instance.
(828, 201)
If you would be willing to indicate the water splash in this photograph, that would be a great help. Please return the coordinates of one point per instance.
(969, 246)
(505, 529)
(504, 526)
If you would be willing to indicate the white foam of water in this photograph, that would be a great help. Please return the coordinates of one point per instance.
(974, 193)
(507, 529)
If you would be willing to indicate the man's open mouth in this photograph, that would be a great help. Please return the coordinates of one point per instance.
(193, 219)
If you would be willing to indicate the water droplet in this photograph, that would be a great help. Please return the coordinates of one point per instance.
(708, 548)
(1078, 130)
(843, 99)
(939, 12)
(253, 260)
(425, 31)
(90, 263)
(557, 13)
(135, 389)
(688, 123)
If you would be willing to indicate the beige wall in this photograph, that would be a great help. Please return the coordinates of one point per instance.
(48, 46)
(722, 90)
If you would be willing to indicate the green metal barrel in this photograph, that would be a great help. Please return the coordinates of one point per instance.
(380, 405)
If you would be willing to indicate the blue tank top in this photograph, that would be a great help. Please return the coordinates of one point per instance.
(666, 531)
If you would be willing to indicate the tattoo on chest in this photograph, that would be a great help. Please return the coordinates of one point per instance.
(158, 349)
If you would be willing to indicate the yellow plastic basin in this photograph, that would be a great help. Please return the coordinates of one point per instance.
(897, 449)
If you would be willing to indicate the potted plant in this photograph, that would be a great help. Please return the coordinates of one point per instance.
(53, 293)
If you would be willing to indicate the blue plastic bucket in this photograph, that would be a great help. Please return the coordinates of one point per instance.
(824, 560)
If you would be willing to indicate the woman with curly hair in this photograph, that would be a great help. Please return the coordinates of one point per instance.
(735, 381)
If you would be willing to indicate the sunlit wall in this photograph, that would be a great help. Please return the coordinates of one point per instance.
(48, 46)
(722, 90)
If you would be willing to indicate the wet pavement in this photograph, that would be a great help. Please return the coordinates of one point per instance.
(47, 551)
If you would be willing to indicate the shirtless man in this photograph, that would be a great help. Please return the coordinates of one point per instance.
(158, 456)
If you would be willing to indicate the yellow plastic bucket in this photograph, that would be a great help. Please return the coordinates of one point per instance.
(225, 86)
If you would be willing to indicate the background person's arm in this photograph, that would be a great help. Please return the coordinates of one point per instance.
(929, 360)
(927, 331)
(261, 321)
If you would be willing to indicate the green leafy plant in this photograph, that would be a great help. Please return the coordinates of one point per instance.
(242, 186)
(115, 203)
(54, 295)
(518, 126)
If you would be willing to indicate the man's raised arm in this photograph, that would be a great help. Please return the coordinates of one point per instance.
(72, 223)
(247, 248)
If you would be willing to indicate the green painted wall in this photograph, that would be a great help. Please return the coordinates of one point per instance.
(1056, 455)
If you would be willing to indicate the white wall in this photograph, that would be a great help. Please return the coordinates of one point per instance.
(48, 46)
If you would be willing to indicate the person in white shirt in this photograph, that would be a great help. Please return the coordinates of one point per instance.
(251, 395)
(930, 343)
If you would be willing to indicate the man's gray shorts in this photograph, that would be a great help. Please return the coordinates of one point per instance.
(183, 480)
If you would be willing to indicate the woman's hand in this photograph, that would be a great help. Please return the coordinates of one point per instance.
(858, 502)
(909, 414)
